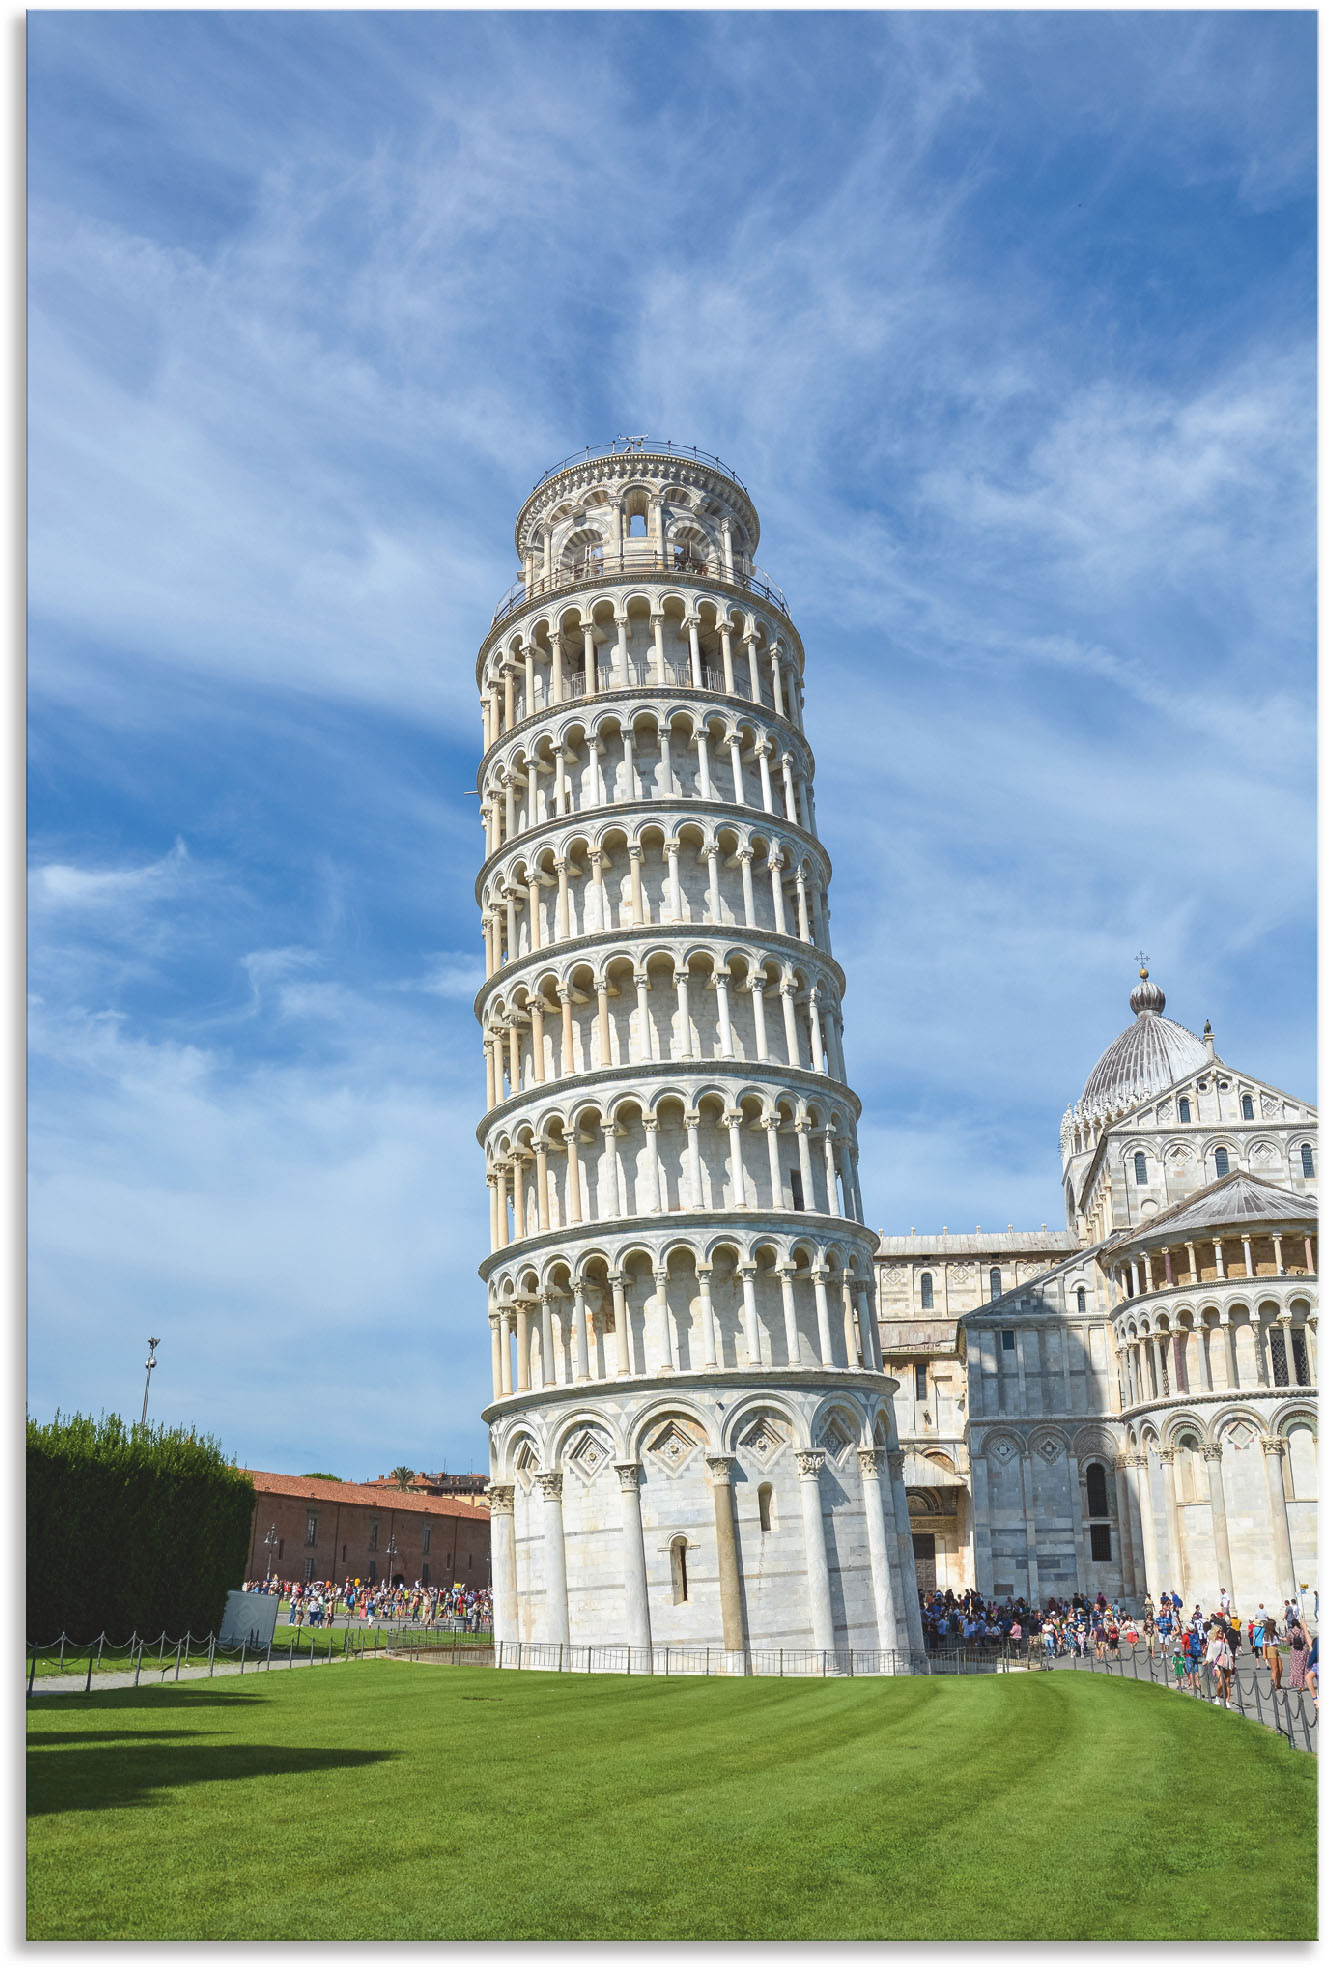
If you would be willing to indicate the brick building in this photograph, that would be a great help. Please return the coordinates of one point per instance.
(341, 1530)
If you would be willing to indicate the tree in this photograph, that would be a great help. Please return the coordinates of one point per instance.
(403, 1476)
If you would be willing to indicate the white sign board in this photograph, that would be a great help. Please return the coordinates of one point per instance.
(249, 1616)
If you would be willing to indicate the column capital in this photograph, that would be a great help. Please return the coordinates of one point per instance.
(721, 1467)
(1212, 1451)
(629, 1477)
(1273, 1444)
(495, 1321)
(501, 1498)
(550, 1485)
(1137, 1461)
(810, 1463)
(873, 1460)
(704, 1272)
(1166, 1455)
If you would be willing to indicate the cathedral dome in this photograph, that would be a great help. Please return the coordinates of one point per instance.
(1148, 1055)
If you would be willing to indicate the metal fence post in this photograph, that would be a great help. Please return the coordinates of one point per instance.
(139, 1668)
(243, 1644)
(32, 1670)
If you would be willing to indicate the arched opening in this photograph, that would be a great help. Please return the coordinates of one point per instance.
(1080, 1299)
(1141, 1170)
(1221, 1164)
(1307, 1159)
(994, 1279)
(678, 1569)
(765, 1498)
(636, 526)
(1246, 1107)
(1095, 1480)
(926, 1290)
(1184, 1111)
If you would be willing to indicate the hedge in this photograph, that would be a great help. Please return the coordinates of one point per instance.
(131, 1529)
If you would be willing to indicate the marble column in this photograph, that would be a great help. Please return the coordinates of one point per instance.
(556, 1629)
(634, 1556)
(904, 1534)
(1167, 1457)
(872, 1462)
(1274, 1449)
(810, 1463)
(1143, 1490)
(726, 1546)
(621, 1330)
(502, 1531)
(1125, 1529)
(1217, 1510)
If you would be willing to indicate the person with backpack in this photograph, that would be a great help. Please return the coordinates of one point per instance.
(1297, 1651)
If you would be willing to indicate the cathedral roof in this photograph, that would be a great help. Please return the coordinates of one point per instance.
(1149, 1055)
(1237, 1198)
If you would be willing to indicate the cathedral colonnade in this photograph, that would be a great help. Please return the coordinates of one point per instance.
(692, 1437)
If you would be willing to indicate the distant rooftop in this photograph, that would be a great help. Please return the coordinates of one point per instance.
(973, 1242)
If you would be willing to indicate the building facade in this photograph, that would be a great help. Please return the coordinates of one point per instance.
(692, 1439)
(305, 1527)
(1130, 1404)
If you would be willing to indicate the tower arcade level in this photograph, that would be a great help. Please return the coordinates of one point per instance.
(692, 1439)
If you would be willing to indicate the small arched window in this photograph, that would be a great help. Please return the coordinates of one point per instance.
(1220, 1162)
(994, 1279)
(764, 1499)
(926, 1290)
(1184, 1111)
(1095, 1481)
(678, 1569)
(1141, 1170)
(1080, 1299)
(1246, 1107)
(1307, 1159)
(636, 526)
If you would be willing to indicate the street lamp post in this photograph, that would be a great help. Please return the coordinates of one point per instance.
(270, 1544)
(147, 1385)
(391, 1555)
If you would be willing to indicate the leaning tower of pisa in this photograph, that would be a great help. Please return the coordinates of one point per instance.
(692, 1440)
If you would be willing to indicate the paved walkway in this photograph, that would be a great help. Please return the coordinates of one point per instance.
(153, 1676)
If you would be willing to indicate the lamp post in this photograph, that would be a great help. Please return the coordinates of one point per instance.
(391, 1555)
(270, 1544)
(147, 1384)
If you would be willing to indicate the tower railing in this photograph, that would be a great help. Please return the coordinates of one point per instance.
(592, 567)
(642, 447)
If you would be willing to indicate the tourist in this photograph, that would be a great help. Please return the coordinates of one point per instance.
(1271, 1650)
(1180, 1668)
(1312, 1670)
(1217, 1657)
(1150, 1629)
(1297, 1650)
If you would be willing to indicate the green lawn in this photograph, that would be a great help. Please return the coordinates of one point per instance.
(389, 1801)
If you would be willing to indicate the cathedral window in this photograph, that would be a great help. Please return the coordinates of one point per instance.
(925, 1282)
(1007, 1341)
(1099, 1543)
(311, 1528)
(636, 526)
(1095, 1481)
(1183, 1108)
(678, 1569)
(919, 1382)
(1246, 1107)
(1277, 1346)
(1307, 1159)
(1220, 1162)
(994, 1279)
(764, 1498)
(1141, 1170)
(1080, 1299)
(1300, 1352)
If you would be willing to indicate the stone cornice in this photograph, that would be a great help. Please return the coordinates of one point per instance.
(1216, 1290)
(1232, 1396)
(729, 1380)
(707, 586)
(696, 1226)
(650, 1072)
(596, 818)
(683, 694)
(607, 942)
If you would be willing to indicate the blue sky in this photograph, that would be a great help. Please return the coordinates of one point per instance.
(1007, 322)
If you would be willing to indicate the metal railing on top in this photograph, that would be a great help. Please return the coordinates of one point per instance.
(646, 447)
(600, 566)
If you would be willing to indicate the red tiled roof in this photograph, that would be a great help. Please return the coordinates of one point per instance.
(309, 1488)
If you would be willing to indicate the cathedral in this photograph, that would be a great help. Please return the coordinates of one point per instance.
(725, 1414)
(1129, 1404)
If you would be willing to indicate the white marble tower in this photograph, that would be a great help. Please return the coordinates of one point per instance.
(692, 1441)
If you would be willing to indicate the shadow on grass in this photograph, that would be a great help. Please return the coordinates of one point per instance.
(90, 1737)
(119, 1778)
(185, 1694)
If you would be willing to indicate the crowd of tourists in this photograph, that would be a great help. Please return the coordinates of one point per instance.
(319, 1601)
(1191, 1642)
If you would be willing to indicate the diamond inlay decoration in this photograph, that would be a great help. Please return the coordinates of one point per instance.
(588, 1455)
(763, 1438)
(835, 1438)
(672, 1446)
